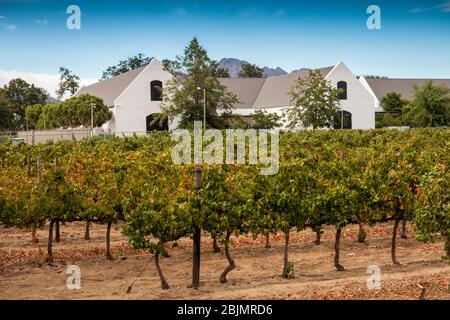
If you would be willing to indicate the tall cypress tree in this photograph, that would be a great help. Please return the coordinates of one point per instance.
(193, 72)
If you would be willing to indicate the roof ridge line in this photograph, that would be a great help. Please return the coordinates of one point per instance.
(132, 81)
(259, 91)
(388, 78)
(121, 74)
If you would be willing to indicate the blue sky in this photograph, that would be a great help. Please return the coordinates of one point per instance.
(414, 40)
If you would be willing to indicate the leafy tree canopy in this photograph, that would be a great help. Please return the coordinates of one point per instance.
(20, 94)
(193, 71)
(251, 71)
(393, 102)
(68, 82)
(266, 120)
(131, 63)
(6, 113)
(430, 107)
(314, 102)
(73, 112)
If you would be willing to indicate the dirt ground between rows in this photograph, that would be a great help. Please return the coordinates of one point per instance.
(23, 275)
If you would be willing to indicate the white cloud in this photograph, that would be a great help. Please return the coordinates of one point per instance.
(442, 7)
(11, 27)
(418, 9)
(42, 22)
(47, 81)
(2, 17)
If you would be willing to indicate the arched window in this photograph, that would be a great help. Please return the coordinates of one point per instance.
(343, 86)
(156, 126)
(343, 120)
(156, 90)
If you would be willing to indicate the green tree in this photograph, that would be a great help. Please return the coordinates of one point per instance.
(6, 112)
(80, 109)
(33, 114)
(68, 81)
(266, 120)
(314, 102)
(430, 107)
(388, 120)
(21, 94)
(219, 72)
(195, 71)
(392, 102)
(73, 112)
(131, 63)
(251, 71)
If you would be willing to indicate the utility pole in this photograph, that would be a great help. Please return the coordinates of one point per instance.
(204, 106)
(26, 123)
(204, 109)
(92, 119)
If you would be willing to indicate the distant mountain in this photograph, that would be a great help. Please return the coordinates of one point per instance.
(269, 72)
(234, 66)
(300, 70)
(51, 100)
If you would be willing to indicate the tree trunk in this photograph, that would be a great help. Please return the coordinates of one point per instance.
(34, 239)
(267, 246)
(164, 253)
(49, 259)
(164, 284)
(394, 243)
(403, 230)
(86, 232)
(447, 247)
(361, 233)
(287, 272)
(318, 234)
(216, 248)
(231, 265)
(196, 243)
(338, 266)
(108, 241)
(57, 235)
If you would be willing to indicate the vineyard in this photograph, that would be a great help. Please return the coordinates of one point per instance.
(327, 180)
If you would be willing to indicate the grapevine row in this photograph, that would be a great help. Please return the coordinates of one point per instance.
(332, 178)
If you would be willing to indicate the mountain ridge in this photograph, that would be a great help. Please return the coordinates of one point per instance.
(234, 65)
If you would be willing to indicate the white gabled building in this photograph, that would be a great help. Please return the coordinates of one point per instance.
(134, 96)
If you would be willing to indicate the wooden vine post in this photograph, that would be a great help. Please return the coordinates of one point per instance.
(34, 239)
(196, 236)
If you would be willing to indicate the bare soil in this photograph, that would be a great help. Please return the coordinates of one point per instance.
(24, 275)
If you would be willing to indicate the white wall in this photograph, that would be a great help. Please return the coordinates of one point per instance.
(134, 105)
(377, 105)
(360, 103)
